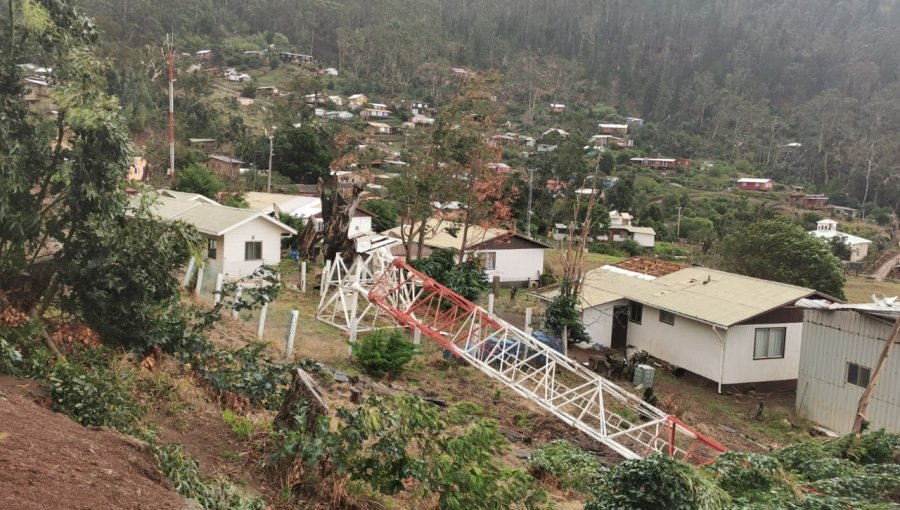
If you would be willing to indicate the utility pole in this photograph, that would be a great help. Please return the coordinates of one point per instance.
(271, 151)
(678, 225)
(530, 185)
(171, 59)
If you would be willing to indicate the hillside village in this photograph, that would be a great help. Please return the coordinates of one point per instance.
(290, 285)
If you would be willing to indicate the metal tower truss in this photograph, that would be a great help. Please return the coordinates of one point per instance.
(344, 301)
(579, 397)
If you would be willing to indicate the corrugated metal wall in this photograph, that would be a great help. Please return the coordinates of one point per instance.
(831, 339)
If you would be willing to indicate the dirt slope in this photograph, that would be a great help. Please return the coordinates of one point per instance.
(50, 462)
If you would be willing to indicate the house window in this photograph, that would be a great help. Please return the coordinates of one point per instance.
(211, 245)
(769, 343)
(253, 250)
(858, 374)
(635, 312)
(667, 317)
(488, 260)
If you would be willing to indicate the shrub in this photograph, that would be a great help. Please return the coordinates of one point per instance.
(631, 247)
(573, 467)
(656, 482)
(604, 249)
(184, 474)
(383, 352)
(249, 372)
(90, 392)
(463, 412)
(393, 445)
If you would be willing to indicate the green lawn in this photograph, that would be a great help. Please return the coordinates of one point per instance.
(859, 289)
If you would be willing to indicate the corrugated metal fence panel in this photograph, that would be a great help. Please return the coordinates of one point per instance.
(831, 339)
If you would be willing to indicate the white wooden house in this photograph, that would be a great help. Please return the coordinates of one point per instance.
(516, 259)
(237, 241)
(828, 230)
(840, 349)
(728, 328)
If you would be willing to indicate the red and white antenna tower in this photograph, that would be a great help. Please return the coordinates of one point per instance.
(171, 60)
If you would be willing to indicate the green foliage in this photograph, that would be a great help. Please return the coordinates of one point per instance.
(184, 474)
(656, 482)
(878, 447)
(387, 443)
(383, 352)
(562, 312)
(240, 426)
(697, 229)
(854, 471)
(463, 412)
(631, 247)
(123, 280)
(621, 196)
(198, 179)
(839, 248)
(248, 371)
(237, 200)
(386, 215)
(573, 467)
(604, 249)
(90, 391)
(780, 251)
(466, 279)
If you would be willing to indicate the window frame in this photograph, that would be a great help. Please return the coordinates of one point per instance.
(666, 313)
(486, 256)
(858, 370)
(247, 245)
(634, 306)
(212, 248)
(768, 331)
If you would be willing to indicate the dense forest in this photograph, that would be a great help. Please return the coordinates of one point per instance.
(736, 81)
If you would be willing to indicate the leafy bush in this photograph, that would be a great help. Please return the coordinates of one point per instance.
(86, 388)
(384, 351)
(249, 372)
(463, 412)
(878, 447)
(184, 474)
(656, 482)
(604, 249)
(631, 247)
(573, 467)
(562, 312)
(466, 278)
(197, 178)
(402, 444)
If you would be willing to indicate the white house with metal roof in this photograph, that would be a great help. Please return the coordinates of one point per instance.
(516, 259)
(237, 241)
(305, 207)
(731, 329)
(828, 229)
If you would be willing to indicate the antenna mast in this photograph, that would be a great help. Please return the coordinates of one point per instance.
(171, 61)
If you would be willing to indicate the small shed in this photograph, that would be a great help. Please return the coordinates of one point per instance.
(840, 349)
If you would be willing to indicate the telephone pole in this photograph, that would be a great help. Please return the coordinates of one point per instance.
(271, 151)
(530, 186)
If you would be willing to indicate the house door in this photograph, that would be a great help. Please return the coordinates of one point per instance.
(619, 336)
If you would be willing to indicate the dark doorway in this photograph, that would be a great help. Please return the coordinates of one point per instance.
(619, 327)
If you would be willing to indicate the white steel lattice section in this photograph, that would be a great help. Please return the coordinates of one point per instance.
(344, 292)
